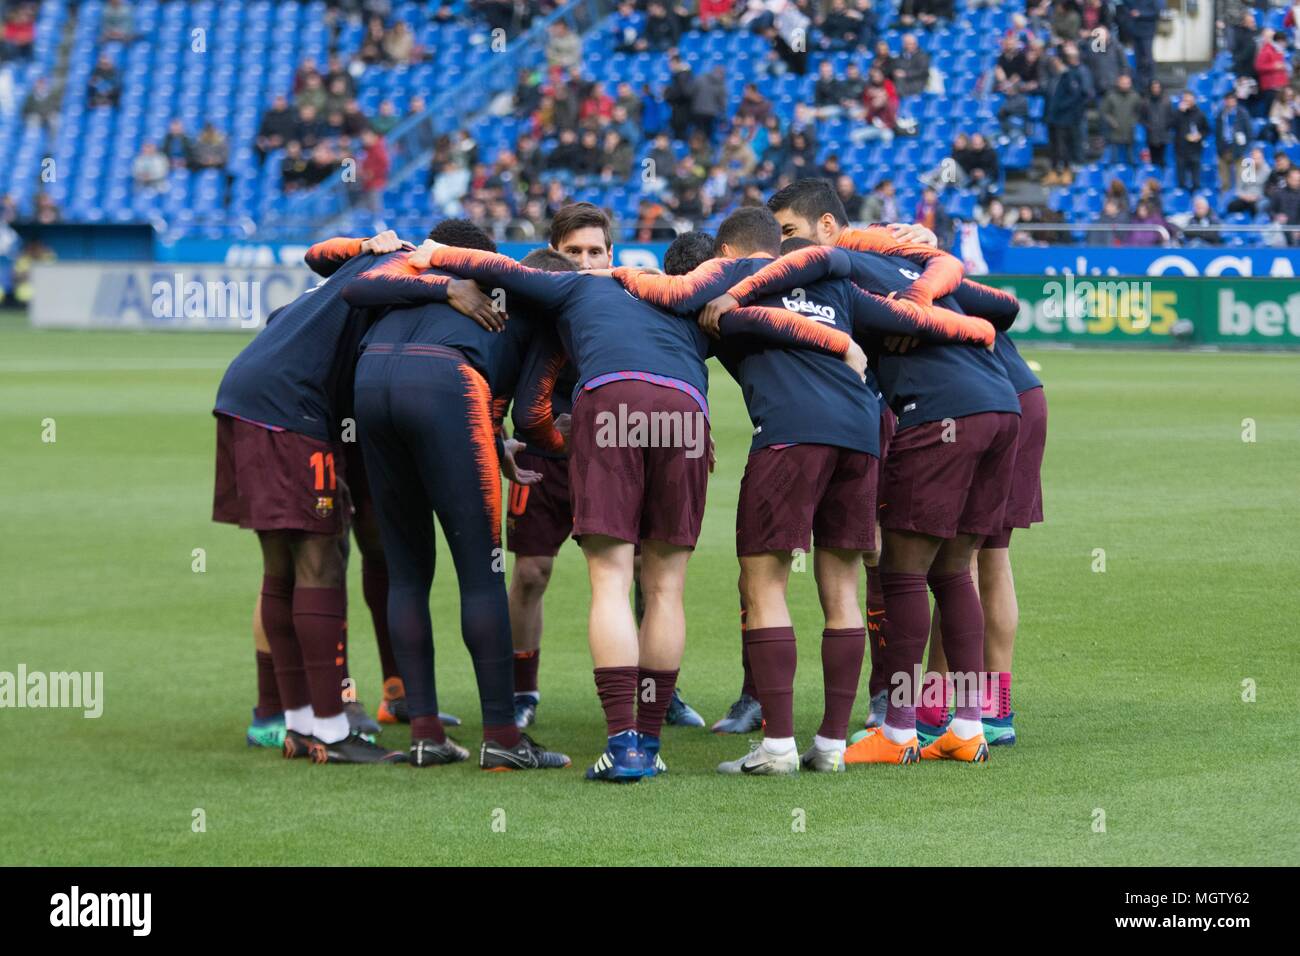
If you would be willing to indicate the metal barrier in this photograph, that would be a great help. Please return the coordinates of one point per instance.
(1167, 238)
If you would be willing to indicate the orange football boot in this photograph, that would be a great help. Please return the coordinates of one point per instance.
(951, 747)
(875, 747)
(394, 700)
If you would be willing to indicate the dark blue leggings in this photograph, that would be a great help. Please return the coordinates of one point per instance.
(423, 417)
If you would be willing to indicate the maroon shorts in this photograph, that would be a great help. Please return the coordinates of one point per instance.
(949, 477)
(278, 480)
(539, 518)
(888, 425)
(791, 497)
(623, 481)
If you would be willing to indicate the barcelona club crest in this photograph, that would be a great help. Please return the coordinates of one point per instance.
(324, 507)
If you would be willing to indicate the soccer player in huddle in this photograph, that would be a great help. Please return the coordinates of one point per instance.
(539, 518)
(625, 486)
(281, 474)
(992, 564)
(430, 391)
(811, 472)
(943, 486)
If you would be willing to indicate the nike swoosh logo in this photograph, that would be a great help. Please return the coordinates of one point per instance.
(875, 613)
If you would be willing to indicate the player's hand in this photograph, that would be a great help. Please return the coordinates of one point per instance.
(711, 315)
(713, 455)
(510, 468)
(564, 425)
(467, 298)
(856, 359)
(422, 257)
(913, 232)
(383, 243)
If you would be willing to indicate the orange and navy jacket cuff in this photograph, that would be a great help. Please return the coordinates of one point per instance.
(325, 258)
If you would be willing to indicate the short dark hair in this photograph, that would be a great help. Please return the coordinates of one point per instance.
(548, 260)
(810, 199)
(750, 229)
(688, 251)
(462, 233)
(578, 215)
(795, 243)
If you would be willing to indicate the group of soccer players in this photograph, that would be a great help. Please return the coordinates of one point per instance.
(895, 426)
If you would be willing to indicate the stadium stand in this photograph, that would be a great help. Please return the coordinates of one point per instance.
(463, 107)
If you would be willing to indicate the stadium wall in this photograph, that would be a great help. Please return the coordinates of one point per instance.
(1068, 310)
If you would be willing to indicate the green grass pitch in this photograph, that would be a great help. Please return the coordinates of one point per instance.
(1129, 682)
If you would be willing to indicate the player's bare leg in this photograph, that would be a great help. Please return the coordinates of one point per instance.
(769, 638)
(528, 583)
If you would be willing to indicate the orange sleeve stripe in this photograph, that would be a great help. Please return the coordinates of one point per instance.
(334, 252)
(540, 418)
(669, 292)
(399, 267)
(797, 326)
(941, 273)
(775, 277)
(1009, 300)
(945, 322)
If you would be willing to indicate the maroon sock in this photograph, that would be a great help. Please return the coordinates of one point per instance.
(268, 694)
(961, 622)
(906, 629)
(748, 688)
(374, 586)
(507, 735)
(277, 624)
(773, 656)
(842, 650)
(658, 687)
(320, 621)
(878, 680)
(526, 663)
(617, 689)
(428, 728)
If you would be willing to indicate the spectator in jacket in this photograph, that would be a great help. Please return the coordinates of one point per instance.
(150, 168)
(564, 47)
(277, 127)
(105, 85)
(210, 151)
(1252, 173)
(1157, 116)
(1190, 132)
(1113, 213)
(1145, 215)
(709, 101)
(1143, 16)
(1270, 70)
(1282, 116)
(1231, 137)
(882, 204)
(1119, 111)
(1066, 101)
(911, 68)
(1198, 230)
(1286, 204)
(176, 144)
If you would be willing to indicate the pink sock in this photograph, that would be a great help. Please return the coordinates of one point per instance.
(933, 686)
(996, 697)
